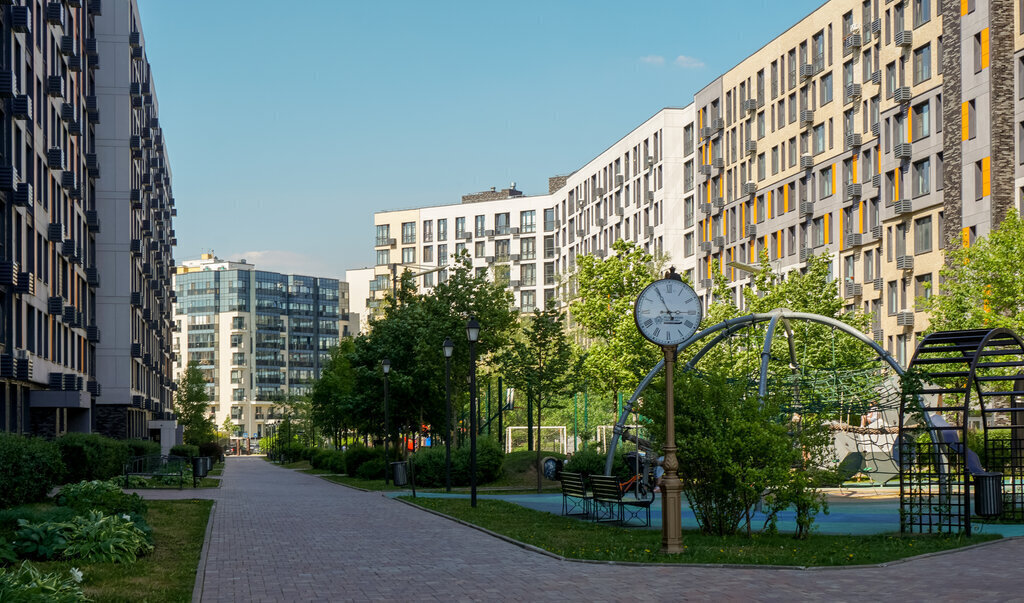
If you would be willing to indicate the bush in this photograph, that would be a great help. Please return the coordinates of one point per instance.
(372, 469)
(357, 455)
(489, 459)
(212, 450)
(32, 514)
(106, 538)
(143, 447)
(29, 468)
(591, 462)
(89, 456)
(328, 460)
(428, 466)
(106, 497)
(29, 584)
(186, 450)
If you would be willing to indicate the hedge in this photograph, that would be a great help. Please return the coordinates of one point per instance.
(186, 450)
(29, 468)
(89, 456)
(429, 464)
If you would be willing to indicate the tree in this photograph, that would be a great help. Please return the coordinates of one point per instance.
(540, 359)
(332, 399)
(982, 285)
(191, 404)
(618, 355)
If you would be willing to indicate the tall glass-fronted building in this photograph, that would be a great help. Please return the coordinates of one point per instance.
(259, 337)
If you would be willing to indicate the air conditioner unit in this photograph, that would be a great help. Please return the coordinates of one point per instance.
(749, 188)
(853, 141)
(619, 180)
(750, 146)
(806, 117)
(852, 41)
(902, 94)
(751, 230)
(905, 318)
(903, 206)
(852, 92)
(806, 162)
(904, 38)
(650, 196)
(903, 150)
(853, 190)
(905, 262)
(854, 239)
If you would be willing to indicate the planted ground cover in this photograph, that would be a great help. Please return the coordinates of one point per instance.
(167, 574)
(577, 539)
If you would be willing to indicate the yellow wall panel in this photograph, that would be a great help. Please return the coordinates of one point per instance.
(861, 216)
(785, 199)
(768, 200)
(833, 178)
(827, 229)
(855, 155)
(778, 246)
(842, 239)
(984, 48)
(963, 7)
(965, 112)
(965, 236)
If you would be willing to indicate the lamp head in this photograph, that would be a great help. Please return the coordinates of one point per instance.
(385, 365)
(448, 347)
(473, 330)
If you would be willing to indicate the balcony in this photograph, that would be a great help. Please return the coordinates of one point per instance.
(382, 242)
(24, 196)
(876, 76)
(718, 163)
(805, 253)
(878, 284)
(8, 83)
(55, 232)
(806, 70)
(704, 169)
(876, 232)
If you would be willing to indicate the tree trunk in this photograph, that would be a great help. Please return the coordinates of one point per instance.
(529, 419)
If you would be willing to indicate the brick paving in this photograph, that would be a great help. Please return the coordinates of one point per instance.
(280, 535)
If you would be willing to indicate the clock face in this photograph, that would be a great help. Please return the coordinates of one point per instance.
(667, 312)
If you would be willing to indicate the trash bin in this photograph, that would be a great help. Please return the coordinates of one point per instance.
(988, 494)
(400, 472)
(552, 468)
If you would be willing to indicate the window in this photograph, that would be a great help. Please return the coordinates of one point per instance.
(826, 182)
(688, 140)
(428, 231)
(826, 88)
(383, 234)
(869, 266)
(442, 229)
(979, 189)
(922, 177)
(549, 247)
(238, 322)
(408, 233)
(970, 128)
(549, 220)
(442, 253)
(923, 286)
(480, 249)
(760, 167)
(760, 125)
(528, 248)
(892, 298)
(819, 139)
(383, 257)
(501, 224)
(688, 244)
(479, 224)
(890, 80)
(922, 63)
(688, 212)
(428, 254)
(792, 151)
(460, 228)
(238, 358)
(688, 176)
(549, 273)
(979, 58)
(818, 231)
(501, 250)
(923, 235)
(428, 280)
(529, 300)
(528, 221)
(528, 275)
(408, 255)
(922, 12)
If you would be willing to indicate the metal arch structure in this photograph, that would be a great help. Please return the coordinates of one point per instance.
(726, 329)
(936, 476)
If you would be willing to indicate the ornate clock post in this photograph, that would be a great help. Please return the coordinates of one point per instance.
(667, 313)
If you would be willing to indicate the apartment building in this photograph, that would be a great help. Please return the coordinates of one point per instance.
(867, 130)
(61, 59)
(636, 190)
(258, 336)
(132, 262)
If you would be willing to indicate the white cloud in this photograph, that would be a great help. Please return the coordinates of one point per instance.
(689, 62)
(653, 59)
(287, 262)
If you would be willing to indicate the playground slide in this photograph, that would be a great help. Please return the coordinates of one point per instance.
(951, 438)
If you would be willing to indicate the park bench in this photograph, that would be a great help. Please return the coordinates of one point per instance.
(155, 465)
(575, 500)
(609, 504)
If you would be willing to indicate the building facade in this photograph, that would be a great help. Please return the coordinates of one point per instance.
(61, 229)
(867, 131)
(257, 336)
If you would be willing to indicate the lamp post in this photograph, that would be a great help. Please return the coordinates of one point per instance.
(448, 348)
(472, 334)
(385, 366)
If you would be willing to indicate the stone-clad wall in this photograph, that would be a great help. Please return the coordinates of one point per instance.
(1002, 119)
(953, 168)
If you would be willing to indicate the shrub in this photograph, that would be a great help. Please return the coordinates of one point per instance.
(592, 461)
(488, 462)
(212, 450)
(357, 455)
(186, 450)
(89, 456)
(372, 469)
(40, 540)
(143, 447)
(106, 538)
(29, 468)
(106, 497)
(32, 514)
(29, 584)
(336, 463)
(428, 466)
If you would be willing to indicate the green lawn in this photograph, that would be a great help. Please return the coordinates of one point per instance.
(167, 575)
(584, 540)
(365, 484)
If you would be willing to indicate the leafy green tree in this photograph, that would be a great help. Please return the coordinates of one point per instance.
(332, 398)
(982, 285)
(191, 404)
(541, 359)
(617, 356)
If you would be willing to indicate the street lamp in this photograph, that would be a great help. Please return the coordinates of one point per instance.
(448, 348)
(385, 365)
(472, 334)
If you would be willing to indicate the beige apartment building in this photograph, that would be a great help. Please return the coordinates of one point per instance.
(880, 132)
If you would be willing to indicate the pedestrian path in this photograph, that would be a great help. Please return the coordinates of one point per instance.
(281, 535)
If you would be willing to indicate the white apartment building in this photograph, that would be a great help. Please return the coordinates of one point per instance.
(640, 189)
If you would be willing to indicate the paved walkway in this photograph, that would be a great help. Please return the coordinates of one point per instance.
(280, 535)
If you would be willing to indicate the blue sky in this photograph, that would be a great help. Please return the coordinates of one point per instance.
(289, 124)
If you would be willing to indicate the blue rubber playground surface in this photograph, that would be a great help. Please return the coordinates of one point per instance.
(852, 515)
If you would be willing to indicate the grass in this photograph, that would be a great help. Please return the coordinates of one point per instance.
(167, 575)
(365, 484)
(312, 471)
(584, 540)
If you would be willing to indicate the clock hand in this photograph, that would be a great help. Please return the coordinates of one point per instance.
(665, 303)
